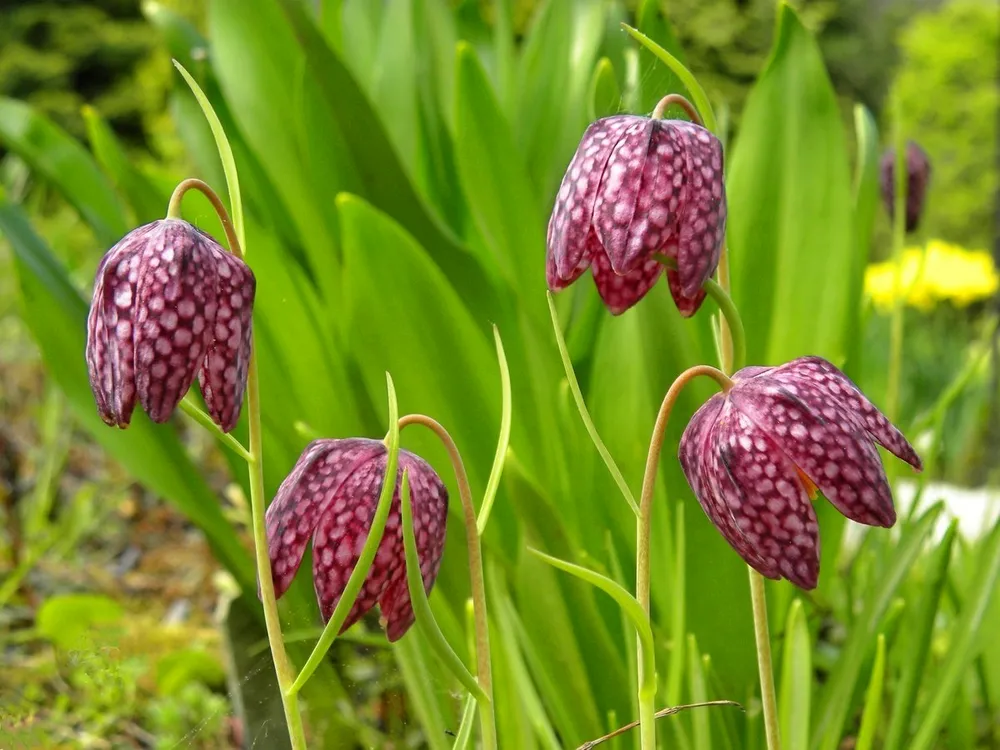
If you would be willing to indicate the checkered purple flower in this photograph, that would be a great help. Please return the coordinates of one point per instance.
(330, 497)
(756, 455)
(169, 304)
(918, 175)
(638, 187)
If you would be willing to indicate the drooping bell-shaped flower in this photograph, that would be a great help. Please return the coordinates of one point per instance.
(330, 497)
(756, 455)
(638, 187)
(918, 175)
(169, 304)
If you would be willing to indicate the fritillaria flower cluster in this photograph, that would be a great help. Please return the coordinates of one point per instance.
(330, 498)
(636, 188)
(170, 304)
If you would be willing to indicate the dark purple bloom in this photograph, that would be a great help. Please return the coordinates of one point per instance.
(330, 497)
(755, 456)
(918, 174)
(169, 304)
(637, 187)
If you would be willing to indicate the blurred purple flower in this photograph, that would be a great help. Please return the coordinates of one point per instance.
(637, 187)
(331, 496)
(756, 455)
(918, 174)
(169, 303)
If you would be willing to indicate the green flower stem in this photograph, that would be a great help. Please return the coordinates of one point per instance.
(421, 607)
(191, 409)
(493, 483)
(734, 343)
(899, 175)
(680, 101)
(484, 668)
(255, 468)
(367, 556)
(644, 522)
(762, 638)
(581, 405)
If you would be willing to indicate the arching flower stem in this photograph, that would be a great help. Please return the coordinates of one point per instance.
(255, 467)
(478, 587)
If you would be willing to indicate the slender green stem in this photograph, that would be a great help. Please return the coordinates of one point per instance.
(422, 613)
(645, 520)
(493, 483)
(734, 344)
(763, 641)
(484, 669)
(255, 467)
(581, 405)
(898, 241)
(191, 409)
(368, 551)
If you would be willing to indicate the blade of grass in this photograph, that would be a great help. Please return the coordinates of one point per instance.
(965, 641)
(796, 679)
(696, 677)
(493, 483)
(873, 700)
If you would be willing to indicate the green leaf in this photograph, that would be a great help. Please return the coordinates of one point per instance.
(63, 163)
(918, 647)
(835, 698)
(69, 621)
(966, 639)
(791, 222)
(873, 699)
(656, 80)
(176, 670)
(605, 95)
(699, 694)
(796, 679)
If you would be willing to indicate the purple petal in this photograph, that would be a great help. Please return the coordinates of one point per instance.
(429, 500)
(622, 292)
(829, 447)
(223, 376)
(701, 462)
(304, 496)
(747, 373)
(686, 306)
(840, 391)
(661, 192)
(763, 490)
(619, 192)
(570, 224)
(702, 220)
(175, 305)
(110, 351)
(556, 282)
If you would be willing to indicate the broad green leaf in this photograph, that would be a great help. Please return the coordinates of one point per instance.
(796, 679)
(873, 699)
(605, 95)
(791, 221)
(62, 162)
(69, 620)
(147, 199)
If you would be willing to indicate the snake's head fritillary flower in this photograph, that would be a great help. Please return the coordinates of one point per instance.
(169, 304)
(918, 174)
(330, 497)
(756, 455)
(638, 187)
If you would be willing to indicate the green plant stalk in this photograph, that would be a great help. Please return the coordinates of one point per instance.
(493, 483)
(421, 607)
(283, 668)
(367, 556)
(762, 638)
(873, 699)
(898, 241)
(644, 528)
(191, 409)
(484, 671)
(581, 405)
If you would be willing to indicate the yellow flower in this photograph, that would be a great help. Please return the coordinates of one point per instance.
(941, 272)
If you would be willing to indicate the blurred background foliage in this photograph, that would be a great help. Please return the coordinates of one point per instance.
(77, 521)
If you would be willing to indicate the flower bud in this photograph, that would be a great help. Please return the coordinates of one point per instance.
(918, 174)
